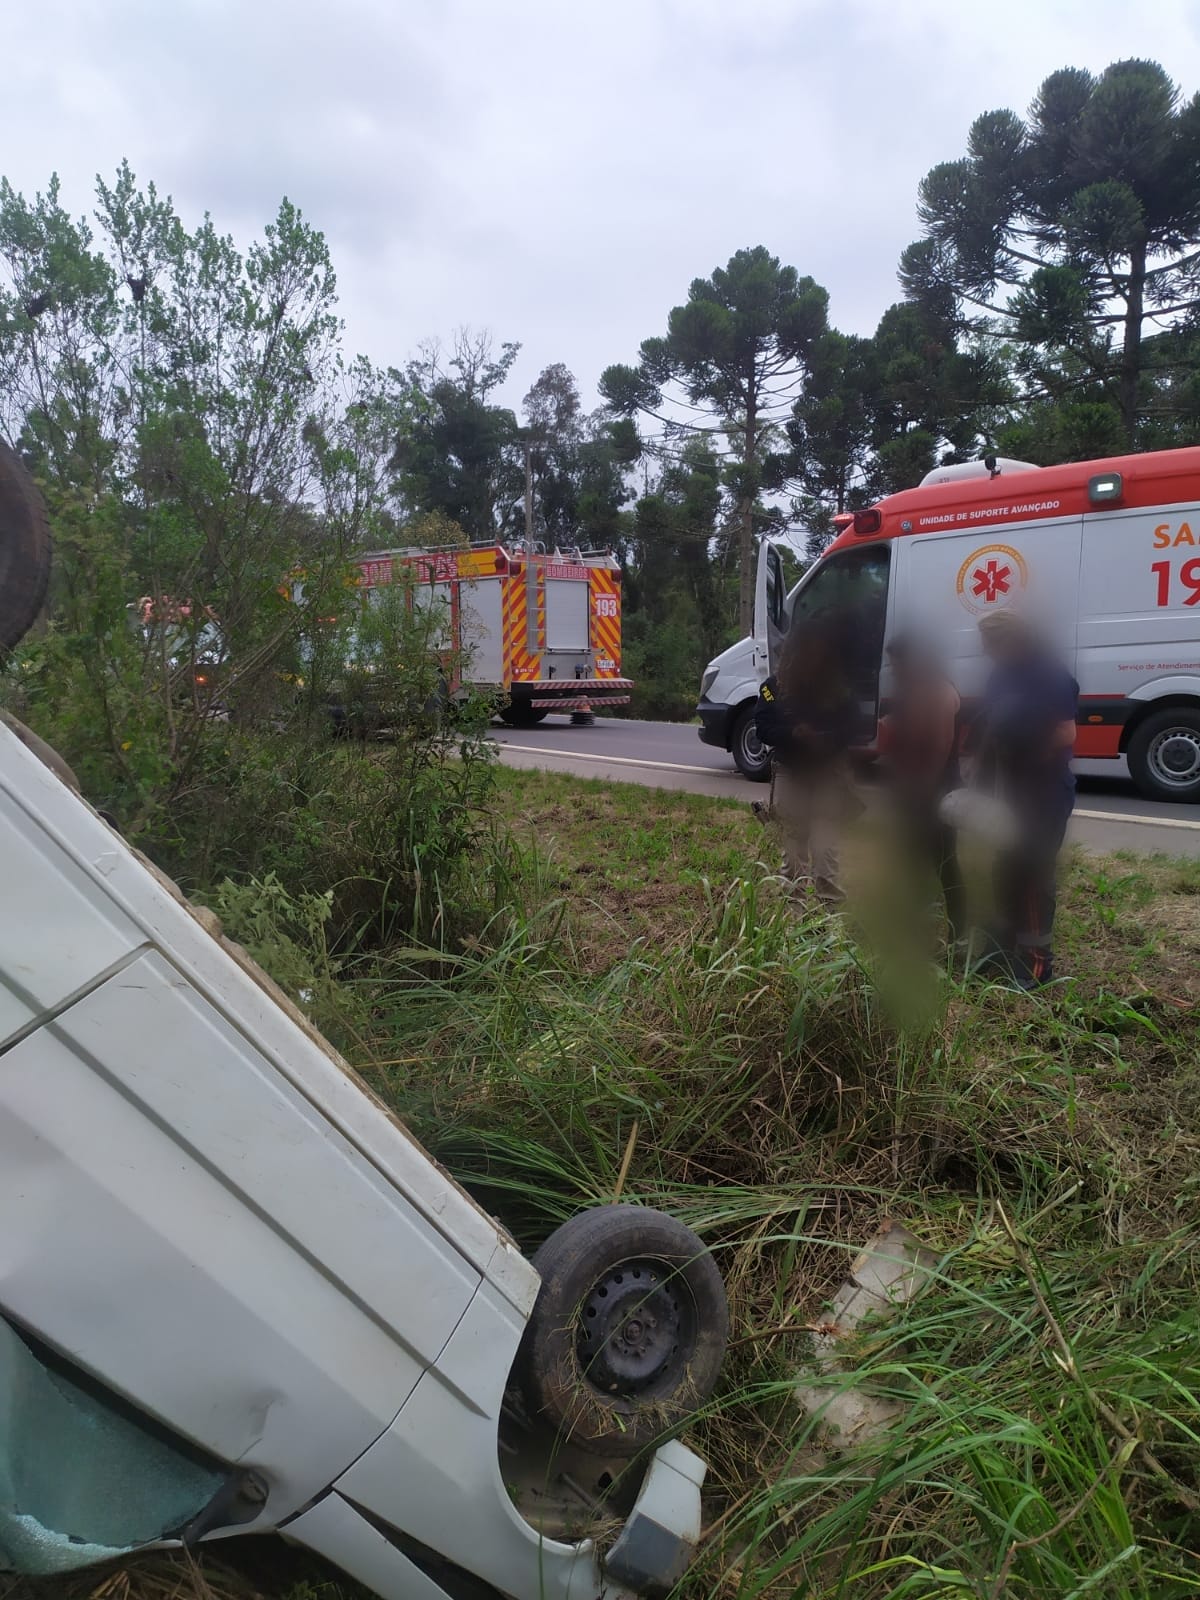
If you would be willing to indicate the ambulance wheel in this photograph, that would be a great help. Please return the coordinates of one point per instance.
(516, 715)
(1164, 754)
(24, 551)
(628, 1333)
(750, 755)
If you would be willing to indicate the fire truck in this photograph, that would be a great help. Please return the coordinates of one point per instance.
(542, 629)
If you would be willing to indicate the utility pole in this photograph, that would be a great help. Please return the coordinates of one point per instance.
(528, 495)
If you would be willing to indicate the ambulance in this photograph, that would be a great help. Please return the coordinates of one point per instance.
(541, 629)
(1103, 555)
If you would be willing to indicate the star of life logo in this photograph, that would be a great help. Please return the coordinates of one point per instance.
(991, 578)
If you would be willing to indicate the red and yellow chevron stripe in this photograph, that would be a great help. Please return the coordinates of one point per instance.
(522, 663)
(512, 627)
(606, 622)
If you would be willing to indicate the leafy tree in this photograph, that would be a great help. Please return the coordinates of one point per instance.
(831, 434)
(553, 414)
(735, 355)
(197, 438)
(675, 600)
(1069, 231)
(610, 448)
(459, 455)
(927, 396)
(553, 435)
(877, 414)
(578, 464)
(1171, 389)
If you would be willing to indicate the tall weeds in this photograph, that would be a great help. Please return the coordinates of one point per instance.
(1048, 1441)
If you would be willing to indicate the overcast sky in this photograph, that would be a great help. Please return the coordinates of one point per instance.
(555, 170)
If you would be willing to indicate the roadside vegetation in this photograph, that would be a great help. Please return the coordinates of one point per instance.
(625, 973)
(570, 988)
(194, 403)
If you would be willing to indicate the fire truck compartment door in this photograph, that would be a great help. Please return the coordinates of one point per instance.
(567, 613)
(435, 599)
(481, 631)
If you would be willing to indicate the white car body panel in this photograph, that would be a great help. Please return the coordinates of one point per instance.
(210, 1215)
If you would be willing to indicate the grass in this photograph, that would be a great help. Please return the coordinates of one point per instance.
(632, 862)
(793, 1086)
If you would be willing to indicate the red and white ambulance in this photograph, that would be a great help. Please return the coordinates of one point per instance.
(1104, 555)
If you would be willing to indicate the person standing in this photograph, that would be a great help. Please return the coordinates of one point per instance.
(920, 754)
(808, 717)
(1022, 752)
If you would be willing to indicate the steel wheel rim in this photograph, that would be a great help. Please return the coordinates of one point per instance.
(753, 748)
(632, 1324)
(1174, 757)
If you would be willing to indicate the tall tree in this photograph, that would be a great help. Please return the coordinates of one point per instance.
(459, 456)
(579, 463)
(876, 414)
(830, 433)
(675, 618)
(929, 399)
(553, 436)
(735, 354)
(197, 437)
(174, 378)
(1072, 229)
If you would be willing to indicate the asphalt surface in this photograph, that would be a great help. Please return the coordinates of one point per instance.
(1109, 815)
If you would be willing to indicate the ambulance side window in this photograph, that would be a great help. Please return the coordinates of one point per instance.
(776, 593)
(850, 589)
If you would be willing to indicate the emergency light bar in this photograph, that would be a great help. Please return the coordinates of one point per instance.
(1105, 486)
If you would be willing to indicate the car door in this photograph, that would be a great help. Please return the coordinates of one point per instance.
(850, 590)
(770, 609)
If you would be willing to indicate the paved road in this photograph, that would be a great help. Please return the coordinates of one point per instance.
(666, 755)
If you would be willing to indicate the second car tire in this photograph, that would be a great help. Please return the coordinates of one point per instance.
(750, 756)
(628, 1334)
(1164, 754)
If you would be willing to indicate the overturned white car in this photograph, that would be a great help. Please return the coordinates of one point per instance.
(236, 1296)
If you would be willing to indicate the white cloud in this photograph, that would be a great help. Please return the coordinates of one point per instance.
(558, 170)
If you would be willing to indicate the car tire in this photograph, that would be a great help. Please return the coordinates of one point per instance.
(628, 1333)
(750, 756)
(24, 551)
(1164, 754)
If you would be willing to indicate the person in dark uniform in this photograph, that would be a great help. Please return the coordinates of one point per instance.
(1023, 742)
(919, 745)
(808, 717)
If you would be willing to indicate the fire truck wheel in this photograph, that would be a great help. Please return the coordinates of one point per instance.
(750, 755)
(628, 1333)
(24, 550)
(1164, 754)
(523, 716)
